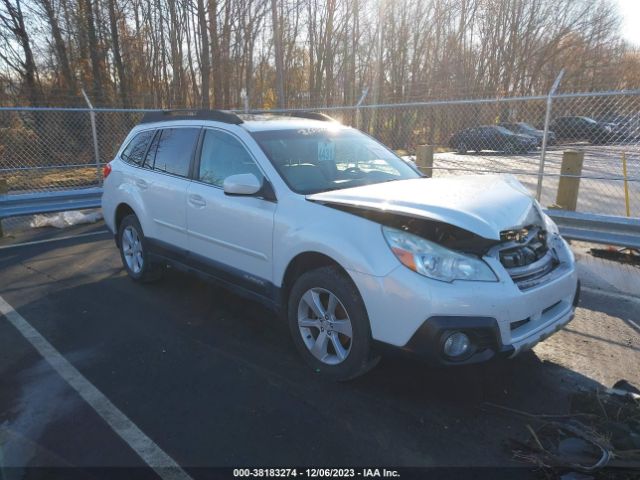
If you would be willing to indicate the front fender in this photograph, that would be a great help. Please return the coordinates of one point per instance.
(355, 243)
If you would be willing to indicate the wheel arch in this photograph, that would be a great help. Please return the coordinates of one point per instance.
(304, 262)
(122, 210)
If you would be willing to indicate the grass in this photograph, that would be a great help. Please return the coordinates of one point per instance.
(50, 179)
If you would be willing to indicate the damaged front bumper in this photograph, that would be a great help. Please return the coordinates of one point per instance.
(484, 334)
(504, 318)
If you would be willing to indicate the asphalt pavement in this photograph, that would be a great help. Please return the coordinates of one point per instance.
(211, 379)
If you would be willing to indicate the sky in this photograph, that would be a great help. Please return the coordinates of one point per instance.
(630, 11)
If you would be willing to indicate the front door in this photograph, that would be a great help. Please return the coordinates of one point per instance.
(231, 235)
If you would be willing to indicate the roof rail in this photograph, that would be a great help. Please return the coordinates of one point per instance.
(311, 116)
(215, 115)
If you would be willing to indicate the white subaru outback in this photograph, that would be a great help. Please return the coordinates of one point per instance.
(340, 236)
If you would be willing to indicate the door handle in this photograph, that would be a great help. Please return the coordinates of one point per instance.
(142, 184)
(197, 201)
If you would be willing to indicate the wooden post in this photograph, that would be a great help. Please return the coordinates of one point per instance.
(4, 189)
(626, 185)
(569, 184)
(424, 159)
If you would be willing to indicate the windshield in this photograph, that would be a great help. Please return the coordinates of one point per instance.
(312, 160)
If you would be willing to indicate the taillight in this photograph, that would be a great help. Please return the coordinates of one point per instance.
(106, 171)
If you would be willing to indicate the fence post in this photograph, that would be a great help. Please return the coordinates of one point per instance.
(365, 91)
(547, 119)
(626, 185)
(245, 100)
(569, 183)
(4, 189)
(424, 159)
(94, 133)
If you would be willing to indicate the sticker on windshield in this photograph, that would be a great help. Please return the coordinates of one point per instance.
(326, 151)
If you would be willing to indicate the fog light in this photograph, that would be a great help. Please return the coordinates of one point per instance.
(456, 345)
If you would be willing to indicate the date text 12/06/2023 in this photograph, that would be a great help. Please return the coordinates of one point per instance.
(315, 473)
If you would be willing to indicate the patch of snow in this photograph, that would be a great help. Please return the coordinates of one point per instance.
(65, 219)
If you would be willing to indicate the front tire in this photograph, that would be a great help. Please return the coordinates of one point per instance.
(329, 324)
(134, 251)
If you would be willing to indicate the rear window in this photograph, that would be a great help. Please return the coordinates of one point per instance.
(175, 150)
(134, 152)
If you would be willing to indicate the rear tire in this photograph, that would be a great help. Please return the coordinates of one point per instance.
(134, 251)
(329, 324)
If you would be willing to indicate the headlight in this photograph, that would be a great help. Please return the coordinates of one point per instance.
(549, 225)
(434, 261)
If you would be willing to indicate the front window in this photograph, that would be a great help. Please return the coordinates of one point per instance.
(312, 160)
(222, 156)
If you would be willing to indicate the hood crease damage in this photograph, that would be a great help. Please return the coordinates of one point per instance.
(467, 213)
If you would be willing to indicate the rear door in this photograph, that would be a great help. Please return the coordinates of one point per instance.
(230, 235)
(164, 189)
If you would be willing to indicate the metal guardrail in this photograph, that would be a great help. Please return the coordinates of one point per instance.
(603, 229)
(15, 205)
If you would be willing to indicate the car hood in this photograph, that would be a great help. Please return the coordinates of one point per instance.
(482, 204)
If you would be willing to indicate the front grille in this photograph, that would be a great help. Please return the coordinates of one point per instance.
(528, 246)
(526, 256)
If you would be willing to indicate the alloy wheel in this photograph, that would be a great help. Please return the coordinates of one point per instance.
(132, 249)
(325, 326)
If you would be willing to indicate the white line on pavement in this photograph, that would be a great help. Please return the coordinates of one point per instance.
(616, 296)
(149, 452)
(56, 239)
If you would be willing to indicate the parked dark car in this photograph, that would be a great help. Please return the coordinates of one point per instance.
(491, 137)
(624, 127)
(582, 128)
(528, 129)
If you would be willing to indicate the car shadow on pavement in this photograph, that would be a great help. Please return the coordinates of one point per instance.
(184, 358)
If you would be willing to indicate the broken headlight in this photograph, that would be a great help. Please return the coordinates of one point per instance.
(434, 261)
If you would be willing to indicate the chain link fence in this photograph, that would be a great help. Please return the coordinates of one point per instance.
(508, 136)
(50, 149)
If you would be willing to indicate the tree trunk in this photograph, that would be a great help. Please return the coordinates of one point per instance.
(205, 65)
(61, 49)
(277, 43)
(117, 57)
(98, 93)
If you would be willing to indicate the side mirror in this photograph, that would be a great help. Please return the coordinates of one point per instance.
(242, 184)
